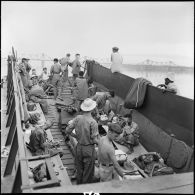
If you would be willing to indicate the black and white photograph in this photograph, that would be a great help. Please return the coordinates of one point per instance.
(97, 97)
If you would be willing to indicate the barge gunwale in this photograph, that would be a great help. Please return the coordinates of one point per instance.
(172, 113)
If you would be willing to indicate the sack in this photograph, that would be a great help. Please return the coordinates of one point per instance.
(31, 106)
(163, 171)
(136, 94)
(34, 118)
(39, 172)
(152, 164)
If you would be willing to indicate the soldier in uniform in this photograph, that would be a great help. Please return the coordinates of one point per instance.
(64, 65)
(56, 77)
(76, 66)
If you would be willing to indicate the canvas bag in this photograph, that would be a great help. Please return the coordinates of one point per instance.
(136, 94)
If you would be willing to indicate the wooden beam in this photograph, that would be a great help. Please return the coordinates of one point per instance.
(152, 184)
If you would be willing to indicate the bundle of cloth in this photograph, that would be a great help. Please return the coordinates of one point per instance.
(37, 95)
(153, 164)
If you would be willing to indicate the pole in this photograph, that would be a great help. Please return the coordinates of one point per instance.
(42, 60)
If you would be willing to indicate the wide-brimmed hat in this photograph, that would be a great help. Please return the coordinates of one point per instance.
(33, 75)
(88, 105)
(115, 127)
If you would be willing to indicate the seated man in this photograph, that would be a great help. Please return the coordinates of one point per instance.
(169, 84)
(101, 101)
(108, 165)
(47, 86)
(44, 75)
(130, 134)
(39, 144)
(37, 95)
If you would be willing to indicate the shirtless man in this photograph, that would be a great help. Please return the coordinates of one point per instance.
(106, 155)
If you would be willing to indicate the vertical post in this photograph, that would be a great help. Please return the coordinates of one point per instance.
(12, 130)
(17, 181)
(12, 155)
(43, 60)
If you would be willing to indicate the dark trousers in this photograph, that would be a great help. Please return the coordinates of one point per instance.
(85, 163)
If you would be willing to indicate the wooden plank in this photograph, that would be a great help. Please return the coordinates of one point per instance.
(59, 136)
(64, 147)
(65, 151)
(149, 185)
(187, 189)
(63, 174)
(67, 156)
(55, 133)
(67, 161)
(69, 166)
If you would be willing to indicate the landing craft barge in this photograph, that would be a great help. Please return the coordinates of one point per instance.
(160, 117)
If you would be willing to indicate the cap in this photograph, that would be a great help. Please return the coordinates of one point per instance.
(115, 128)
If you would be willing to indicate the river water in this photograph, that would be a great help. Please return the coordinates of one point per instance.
(184, 81)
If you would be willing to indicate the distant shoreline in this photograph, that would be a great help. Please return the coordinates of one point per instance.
(179, 69)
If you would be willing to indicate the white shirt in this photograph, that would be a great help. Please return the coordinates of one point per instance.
(117, 61)
(45, 76)
(173, 87)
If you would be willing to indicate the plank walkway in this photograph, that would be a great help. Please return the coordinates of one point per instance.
(67, 159)
(54, 115)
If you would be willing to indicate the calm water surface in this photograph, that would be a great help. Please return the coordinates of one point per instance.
(184, 81)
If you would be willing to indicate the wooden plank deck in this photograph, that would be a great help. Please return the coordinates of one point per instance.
(180, 183)
(67, 159)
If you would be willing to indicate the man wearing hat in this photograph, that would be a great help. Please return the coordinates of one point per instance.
(87, 135)
(37, 94)
(116, 60)
(169, 84)
(34, 79)
(108, 165)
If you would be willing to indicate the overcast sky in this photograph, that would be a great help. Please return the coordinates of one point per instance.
(93, 28)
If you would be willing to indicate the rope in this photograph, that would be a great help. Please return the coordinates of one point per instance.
(138, 93)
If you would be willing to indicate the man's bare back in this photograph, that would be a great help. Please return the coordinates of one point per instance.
(105, 148)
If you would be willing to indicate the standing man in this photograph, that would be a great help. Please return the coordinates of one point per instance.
(82, 88)
(28, 68)
(64, 65)
(56, 77)
(87, 135)
(108, 165)
(76, 66)
(116, 60)
(23, 72)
